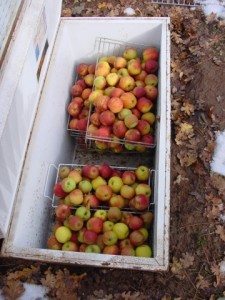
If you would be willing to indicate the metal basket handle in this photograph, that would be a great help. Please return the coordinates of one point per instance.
(50, 181)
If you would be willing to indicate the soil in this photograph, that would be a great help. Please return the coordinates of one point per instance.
(197, 231)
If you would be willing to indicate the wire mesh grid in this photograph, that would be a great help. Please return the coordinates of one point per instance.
(55, 200)
(108, 47)
(187, 3)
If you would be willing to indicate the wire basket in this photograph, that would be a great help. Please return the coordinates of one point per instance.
(187, 3)
(55, 201)
(109, 47)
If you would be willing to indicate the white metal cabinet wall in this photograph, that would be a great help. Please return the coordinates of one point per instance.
(8, 11)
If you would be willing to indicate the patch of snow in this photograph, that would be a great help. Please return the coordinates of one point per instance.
(129, 11)
(214, 6)
(222, 218)
(218, 161)
(34, 292)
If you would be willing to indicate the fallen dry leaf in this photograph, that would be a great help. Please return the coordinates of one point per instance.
(184, 133)
(187, 260)
(221, 231)
(188, 108)
(187, 158)
(13, 289)
(202, 283)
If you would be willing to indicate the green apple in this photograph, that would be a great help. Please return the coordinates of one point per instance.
(115, 183)
(93, 249)
(110, 238)
(121, 230)
(67, 200)
(142, 173)
(85, 186)
(68, 184)
(143, 189)
(112, 79)
(99, 82)
(63, 234)
(123, 113)
(107, 226)
(143, 251)
(83, 212)
(97, 182)
(101, 214)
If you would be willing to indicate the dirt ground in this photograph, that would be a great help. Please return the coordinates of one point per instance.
(197, 230)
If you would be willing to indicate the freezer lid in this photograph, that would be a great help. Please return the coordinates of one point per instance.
(21, 79)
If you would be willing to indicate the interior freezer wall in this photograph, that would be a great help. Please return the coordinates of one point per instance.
(50, 142)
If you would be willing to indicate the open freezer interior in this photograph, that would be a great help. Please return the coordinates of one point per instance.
(50, 142)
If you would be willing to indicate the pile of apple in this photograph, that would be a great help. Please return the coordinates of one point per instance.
(89, 227)
(125, 90)
(78, 108)
(96, 186)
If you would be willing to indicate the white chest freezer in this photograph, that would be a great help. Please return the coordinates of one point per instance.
(35, 80)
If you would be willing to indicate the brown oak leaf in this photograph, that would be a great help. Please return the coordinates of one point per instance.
(187, 158)
(13, 289)
(188, 108)
(185, 132)
(187, 260)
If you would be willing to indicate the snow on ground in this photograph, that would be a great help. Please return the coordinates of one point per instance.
(32, 292)
(218, 161)
(214, 6)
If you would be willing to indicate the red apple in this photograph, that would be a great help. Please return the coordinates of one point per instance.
(90, 171)
(125, 243)
(74, 237)
(151, 66)
(111, 250)
(117, 201)
(129, 177)
(95, 119)
(82, 248)
(84, 113)
(105, 171)
(82, 124)
(76, 90)
(73, 124)
(95, 224)
(141, 202)
(107, 118)
(144, 105)
(103, 132)
(139, 92)
(147, 217)
(129, 100)
(53, 244)
(126, 217)
(91, 69)
(82, 83)
(137, 238)
(151, 92)
(58, 190)
(74, 109)
(150, 53)
(78, 100)
(62, 211)
(91, 200)
(135, 223)
(99, 241)
(136, 112)
(143, 126)
(101, 103)
(116, 92)
(141, 76)
(70, 246)
(127, 83)
(133, 135)
(148, 139)
(127, 251)
(90, 237)
(119, 129)
(86, 93)
(82, 69)
(115, 104)
(75, 223)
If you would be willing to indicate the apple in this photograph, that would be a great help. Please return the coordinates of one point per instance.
(129, 146)
(107, 118)
(119, 130)
(66, 223)
(129, 177)
(136, 238)
(144, 105)
(142, 173)
(79, 101)
(82, 83)
(143, 251)
(114, 214)
(140, 202)
(68, 184)
(103, 58)
(144, 231)
(115, 183)
(83, 116)
(141, 76)
(134, 67)
(74, 109)
(143, 126)
(115, 104)
(151, 92)
(105, 171)
(130, 53)
(101, 214)
(111, 250)
(74, 237)
(111, 59)
(82, 247)
(99, 82)
(125, 243)
(95, 224)
(132, 135)
(83, 212)
(99, 241)
(69, 246)
(76, 197)
(112, 79)
(107, 226)
(101, 145)
(117, 201)
(127, 192)
(92, 129)
(64, 172)
(76, 90)
(127, 251)
(95, 119)
(58, 190)
(123, 113)
(149, 117)
(150, 53)
(94, 95)
(86, 93)
(53, 244)
(109, 90)
(139, 83)
(80, 236)
(85, 186)
(120, 62)
(82, 124)
(143, 189)
(122, 72)
(75, 223)
(110, 238)
(89, 79)
(135, 222)
(117, 149)
(129, 100)
(90, 237)
(139, 92)
(92, 249)
(151, 80)
(90, 171)
(151, 66)
(62, 211)
(73, 124)
(121, 230)
(131, 121)
(98, 181)
(75, 175)
(147, 217)
(116, 92)
(126, 217)
(103, 192)
(102, 69)
(127, 83)
(91, 201)
(91, 69)
(82, 69)
(147, 139)
(103, 132)
(117, 173)
(63, 234)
